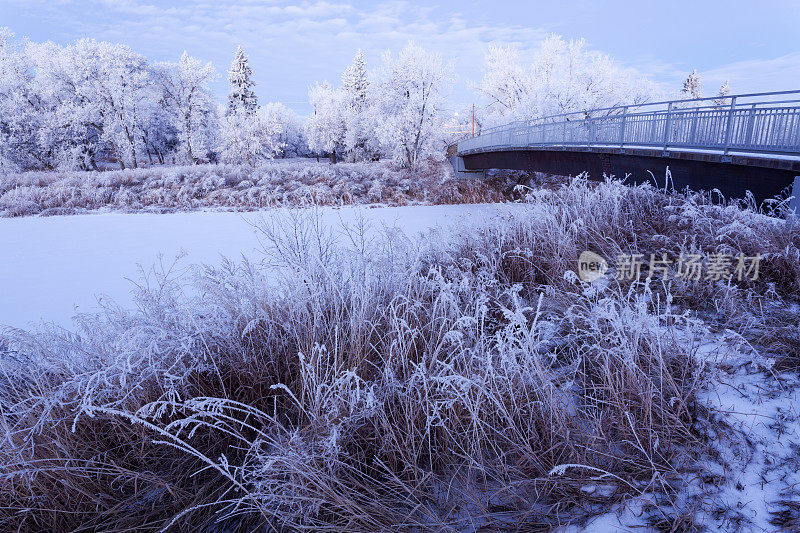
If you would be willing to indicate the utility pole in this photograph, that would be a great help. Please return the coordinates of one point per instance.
(473, 120)
(315, 113)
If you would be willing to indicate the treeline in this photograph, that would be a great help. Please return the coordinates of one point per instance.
(90, 103)
(398, 111)
(77, 106)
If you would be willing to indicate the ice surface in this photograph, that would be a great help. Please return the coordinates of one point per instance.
(53, 267)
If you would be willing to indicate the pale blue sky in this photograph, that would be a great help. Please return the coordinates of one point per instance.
(292, 44)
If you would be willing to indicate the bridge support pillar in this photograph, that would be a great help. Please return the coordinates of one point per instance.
(794, 203)
(461, 172)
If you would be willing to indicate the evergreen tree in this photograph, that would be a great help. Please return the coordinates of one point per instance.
(357, 112)
(354, 82)
(721, 99)
(692, 88)
(241, 99)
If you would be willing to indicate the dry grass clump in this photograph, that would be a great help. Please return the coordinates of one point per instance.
(462, 383)
(277, 183)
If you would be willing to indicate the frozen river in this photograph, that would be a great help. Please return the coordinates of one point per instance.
(53, 267)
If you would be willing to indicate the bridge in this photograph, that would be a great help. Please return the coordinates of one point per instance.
(737, 143)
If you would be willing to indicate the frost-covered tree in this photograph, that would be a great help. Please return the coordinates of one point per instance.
(291, 138)
(721, 99)
(88, 103)
(72, 103)
(250, 138)
(19, 111)
(507, 83)
(116, 82)
(60, 110)
(186, 95)
(160, 136)
(241, 99)
(360, 141)
(249, 134)
(326, 128)
(354, 82)
(410, 104)
(343, 121)
(692, 87)
(560, 77)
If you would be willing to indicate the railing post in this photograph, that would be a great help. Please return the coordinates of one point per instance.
(622, 127)
(797, 132)
(727, 142)
(651, 127)
(667, 127)
(693, 131)
(751, 120)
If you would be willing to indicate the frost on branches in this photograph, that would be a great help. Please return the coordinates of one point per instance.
(360, 141)
(249, 134)
(85, 104)
(410, 104)
(290, 137)
(399, 115)
(188, 100)
(343, 122)
(561, 77)
(326, 128)
(250, 138)
(241, 99)
(722, 96)
(692, 88)
(18, 147)
(80, 105)
(65, 107)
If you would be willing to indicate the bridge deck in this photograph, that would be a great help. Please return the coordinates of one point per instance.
(734, 157)
(738, 143)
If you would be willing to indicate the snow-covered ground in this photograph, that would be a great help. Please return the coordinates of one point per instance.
(751, 478)
(52, 267)
(748, 478)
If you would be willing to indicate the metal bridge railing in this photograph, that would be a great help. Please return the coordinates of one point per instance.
(761, 123)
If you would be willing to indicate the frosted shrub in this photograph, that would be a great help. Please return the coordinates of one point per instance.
(375, 191)
(278, 182)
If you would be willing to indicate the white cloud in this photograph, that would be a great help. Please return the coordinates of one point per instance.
(292, 44)
(756, 75)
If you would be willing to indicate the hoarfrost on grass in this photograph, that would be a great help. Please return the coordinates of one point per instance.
(455, 383)
(290, 182)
